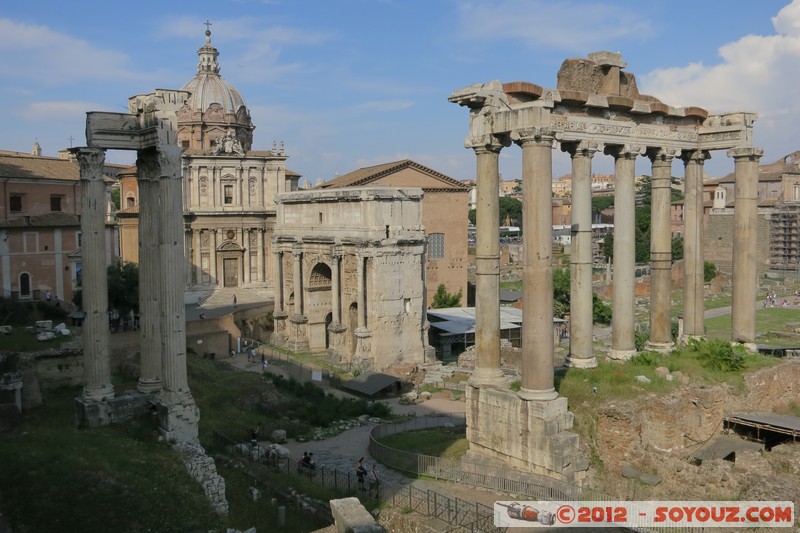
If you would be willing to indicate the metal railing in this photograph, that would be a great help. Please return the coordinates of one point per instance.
(459, 515)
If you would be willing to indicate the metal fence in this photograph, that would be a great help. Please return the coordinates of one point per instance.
(459, 515)
(287, 365)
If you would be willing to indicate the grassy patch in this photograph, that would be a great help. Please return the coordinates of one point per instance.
(774, 323)
(511, 285)
(435, 442)
(117, 478)
(20, 340)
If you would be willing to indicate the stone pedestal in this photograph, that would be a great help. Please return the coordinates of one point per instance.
(363, 359)
(178, 416)
(92, 413)
(336, 343)
(297, 335)
(278, 337)
(527, 435)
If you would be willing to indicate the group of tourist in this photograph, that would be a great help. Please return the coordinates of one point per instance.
(364, 475)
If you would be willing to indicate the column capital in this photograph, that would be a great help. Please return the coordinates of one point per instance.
(536, 135)
(624, 151)
(748, 153)
(486, 143)
(660, 156)
(581, 148)
(169, 161)
(694, 156)
(91, 161)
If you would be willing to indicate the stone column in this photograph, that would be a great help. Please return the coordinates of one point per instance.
(693, 308)
(260, 257)
(537, 228)
(212, 258)
(150, 282)
(97, 385)
(362, 290)
(362, 358)
(660, 252)
(336, 329)
(197, 270)
(178, 411)
(581, 309)
(487, 264)
(745, 271)
(246, 258)
(279, 315)
(622, 332)
(297, 335)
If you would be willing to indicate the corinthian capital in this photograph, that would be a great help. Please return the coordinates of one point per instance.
(169, 161)
(625, 151)
(536, 135)
(490, 143)
(581, 148)
(749, 153)
(91, 161)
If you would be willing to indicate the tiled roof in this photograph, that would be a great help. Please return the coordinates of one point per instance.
(25, 166)
(365, 175)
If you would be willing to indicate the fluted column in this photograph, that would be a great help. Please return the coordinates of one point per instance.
(150, 281)
(623, 345)
(197, 271)
(279, 315)
(693, 307)
(660, 252)
(97, 367)
(745, 241)
(487, 264)
(260, 257)
(335, 291)
(298, 283)
(212, 258)
(537, 228)
(247, 257)
(362, 293)
(581, 309)
(173, 316)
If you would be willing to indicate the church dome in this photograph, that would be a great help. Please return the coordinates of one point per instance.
(208, 87)
(214, 108)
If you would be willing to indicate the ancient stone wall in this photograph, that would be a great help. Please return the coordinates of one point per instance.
(718, 237)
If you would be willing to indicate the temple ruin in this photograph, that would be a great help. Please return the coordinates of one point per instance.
(596, 108)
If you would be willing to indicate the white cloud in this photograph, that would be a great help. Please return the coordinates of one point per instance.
(40, 54)
(541, 22)
(757, 73)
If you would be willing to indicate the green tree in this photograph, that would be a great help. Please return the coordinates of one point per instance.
(677, 248)
(443, 299)
(561, 292)
(709, 271)
(123, 288)
(115, 198)
(601, 312)
(472, 215)
(600, 203)
(510, 208)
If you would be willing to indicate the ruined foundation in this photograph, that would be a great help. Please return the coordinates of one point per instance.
(531, 436)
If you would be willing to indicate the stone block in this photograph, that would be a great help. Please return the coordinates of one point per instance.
(350, 516)
(278, 436)
(548, 409)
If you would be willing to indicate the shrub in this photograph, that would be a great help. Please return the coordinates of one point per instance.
(718, 354)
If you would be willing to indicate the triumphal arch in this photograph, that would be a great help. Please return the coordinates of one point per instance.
(595, 109)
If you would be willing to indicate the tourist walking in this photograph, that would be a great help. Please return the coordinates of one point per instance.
(361, 474)
(374, 480)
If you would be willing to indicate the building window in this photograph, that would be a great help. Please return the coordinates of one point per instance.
(436, 246)
(130, 201)
(15, 203)
(228, 194)
(55, 203)
(24, 285)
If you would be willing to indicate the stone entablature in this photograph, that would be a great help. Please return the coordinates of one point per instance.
(350, 275)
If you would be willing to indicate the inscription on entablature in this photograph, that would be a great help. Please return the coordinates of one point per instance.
(646, 131)
(722, 136)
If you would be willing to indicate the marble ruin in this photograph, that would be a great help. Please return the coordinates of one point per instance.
(148, 128)
(350, 275)
(596, 108)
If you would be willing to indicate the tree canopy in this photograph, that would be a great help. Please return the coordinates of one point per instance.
(443, 299)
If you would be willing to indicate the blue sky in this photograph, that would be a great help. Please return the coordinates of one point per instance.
(353, 83)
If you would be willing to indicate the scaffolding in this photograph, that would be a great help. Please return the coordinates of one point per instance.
(785, 237)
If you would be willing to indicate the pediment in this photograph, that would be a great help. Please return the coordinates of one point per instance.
(230, 246)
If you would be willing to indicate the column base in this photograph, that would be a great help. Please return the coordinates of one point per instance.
(538, 395)
(336, 339)
(178, 416)
(660, 347)
(572, 361)
(297, 337)
(487, 377)
(533, 437)
(621, 355)
(90, 413)
(98, 394)
(146, 386)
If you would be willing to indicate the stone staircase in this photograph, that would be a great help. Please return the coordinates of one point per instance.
(224, 297)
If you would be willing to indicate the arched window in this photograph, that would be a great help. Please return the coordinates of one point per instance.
(320, 276)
